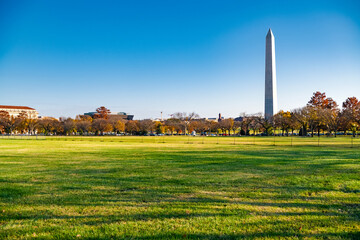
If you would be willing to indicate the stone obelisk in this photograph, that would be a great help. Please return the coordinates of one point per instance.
(270, 77)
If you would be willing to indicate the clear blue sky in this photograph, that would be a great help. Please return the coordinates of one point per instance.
(143, 57)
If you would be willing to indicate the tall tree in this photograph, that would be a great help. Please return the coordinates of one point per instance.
(321, 101)
(318, 103)
(102, 112)
(351, 114)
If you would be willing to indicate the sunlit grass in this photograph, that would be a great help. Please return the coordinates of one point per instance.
(180, 187)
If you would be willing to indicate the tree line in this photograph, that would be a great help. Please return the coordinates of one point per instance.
(321, 114)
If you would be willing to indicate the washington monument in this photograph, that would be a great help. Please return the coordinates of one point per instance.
(270, 77)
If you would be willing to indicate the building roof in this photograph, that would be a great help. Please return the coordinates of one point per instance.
(16, 107)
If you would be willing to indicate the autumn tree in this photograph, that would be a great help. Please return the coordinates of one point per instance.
(102, 112)
(83, 126)
(236, 126)
(318, 104)
(203, 126)
(132, 126)
(282, 120)
(226, 125)
(6, 122)
(84, 118)
(193, 126)
(301, 115)
(160, 127)
(21, 123)
(101, 126)
(173, 124)
(351, 114)
(118, 125)
(294, 124)
(331, 120)
(319, 100)
(213, 127)
(31, 125)
(49, 126)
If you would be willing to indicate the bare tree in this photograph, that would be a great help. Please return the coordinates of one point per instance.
(146, 126)
(185, 118)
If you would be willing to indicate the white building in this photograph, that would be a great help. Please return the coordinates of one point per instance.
(14, 111)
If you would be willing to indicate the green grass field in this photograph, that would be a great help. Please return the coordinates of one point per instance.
(179, 188)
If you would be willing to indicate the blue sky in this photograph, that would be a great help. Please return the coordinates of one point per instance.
(143, 57)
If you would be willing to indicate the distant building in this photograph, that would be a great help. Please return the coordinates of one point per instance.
(239, 119)
(14, 111)
(214, 119)
(118, 115)
(46, 118)
(220, 118)
(91, 114)
(158, 120)
(122, 115)
(211, 119)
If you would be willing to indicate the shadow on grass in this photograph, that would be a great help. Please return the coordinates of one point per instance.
(206, 179)
(11, 193)
(267, 234)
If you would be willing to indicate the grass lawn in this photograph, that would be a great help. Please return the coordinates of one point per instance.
(179, 188)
